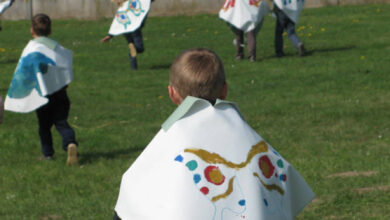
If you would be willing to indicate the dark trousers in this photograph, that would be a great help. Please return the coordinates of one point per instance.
(136, 38)
(55, 112)
(283, 22)
(240, 42)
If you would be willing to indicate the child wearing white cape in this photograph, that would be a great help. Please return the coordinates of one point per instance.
(287, 14)
(244, 17)
(206, 162)
(39, 83)
(128, 21)
(4, 6)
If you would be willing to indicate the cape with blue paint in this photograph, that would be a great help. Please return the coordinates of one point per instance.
(245, 15)
(292, 8)
(129, 16)
(41, 71)
(210, 165)
(5, 5)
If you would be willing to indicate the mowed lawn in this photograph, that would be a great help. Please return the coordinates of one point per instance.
(327, 113)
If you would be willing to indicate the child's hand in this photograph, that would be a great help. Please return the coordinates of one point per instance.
(105, 39)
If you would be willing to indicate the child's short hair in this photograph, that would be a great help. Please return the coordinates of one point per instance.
(198, 72)
(41, 24)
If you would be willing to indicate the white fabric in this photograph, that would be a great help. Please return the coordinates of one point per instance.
(161, 185)
(245, 15)
(4, 6)
(59, 74)
(129, 16)
(292, 8)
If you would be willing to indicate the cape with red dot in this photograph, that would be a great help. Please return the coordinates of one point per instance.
(207, 163)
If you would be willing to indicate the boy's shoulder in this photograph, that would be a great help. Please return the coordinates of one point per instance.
(193, 104)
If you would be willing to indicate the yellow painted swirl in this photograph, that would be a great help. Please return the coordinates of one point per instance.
(225, 194)
(214, 158)
(270, 187)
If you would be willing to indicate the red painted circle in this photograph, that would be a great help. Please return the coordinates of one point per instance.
(266, 166)
(214, 175)
(204, 190)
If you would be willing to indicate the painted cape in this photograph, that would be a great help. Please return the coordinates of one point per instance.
(292, 8)
(245, 15)
(42, 70)
(129, 16)
(210, 165)
(5, 5)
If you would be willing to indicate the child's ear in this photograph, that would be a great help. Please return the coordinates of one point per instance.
(224, 91)
(174, 95)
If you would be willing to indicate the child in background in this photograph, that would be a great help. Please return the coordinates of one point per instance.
(132, 34)
(206, 162)
(287, 14)
(31, 89)
(244, 18)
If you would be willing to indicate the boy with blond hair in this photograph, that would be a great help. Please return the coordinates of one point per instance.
(206, 162)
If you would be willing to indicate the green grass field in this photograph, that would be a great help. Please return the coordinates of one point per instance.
(327, 113)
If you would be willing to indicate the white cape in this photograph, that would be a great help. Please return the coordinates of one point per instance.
(5, 5)
(292, 8)
(41, 71)
(129, 16)
(210, 165)
(245, 15)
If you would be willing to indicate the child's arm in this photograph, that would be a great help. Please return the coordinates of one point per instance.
(106, 38)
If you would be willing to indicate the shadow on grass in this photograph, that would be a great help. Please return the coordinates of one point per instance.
(90, 157)
(8, 61)
(312, 51)
(335, 49)
(161, 66)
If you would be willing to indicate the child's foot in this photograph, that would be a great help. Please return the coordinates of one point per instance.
(301, 50)
(252, 59)
(133, 63)
(43, 157)
(72, 155)
(280, 54)
(239, 57)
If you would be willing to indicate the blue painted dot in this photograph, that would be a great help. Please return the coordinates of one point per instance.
(179, 158)
(280, 163)
(123, 17)
(241, 202)
(192, 165)
(276, 153)
(283, 177)
(265, 202)
(197, 178)
(134, 4)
